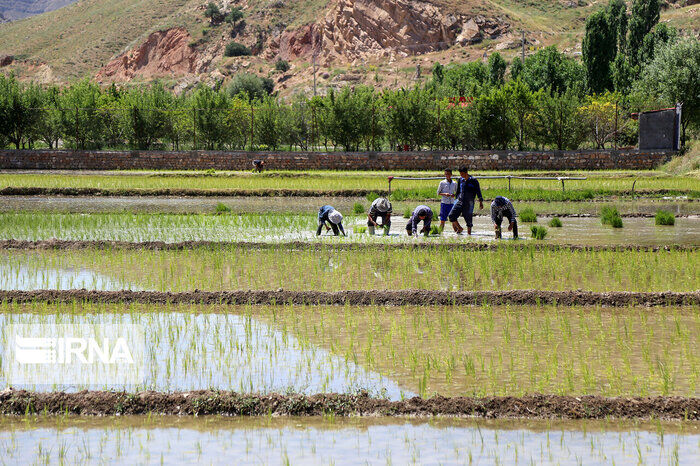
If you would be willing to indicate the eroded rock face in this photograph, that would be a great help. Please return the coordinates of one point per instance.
(164, 53)
(361, 28)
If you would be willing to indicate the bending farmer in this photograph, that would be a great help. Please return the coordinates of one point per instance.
(468, 190)
(502, 207)
(327, 215)
(381, 208)
(421, 213)
(446, 191)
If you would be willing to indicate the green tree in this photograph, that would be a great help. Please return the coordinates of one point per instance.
(654, 40)
(407, 118)
(18, 111)
(617, 23)
(213, 13)
(82, 122)
(497, 69)
(550, 69)
(516, 68)
(673, 77)
(267, 124)
(350, 116)
(438, 73)
(645, 15)
(282, 65)
(209, 110)
(48, 126)
(251, 86)
(494, 128)
(235, 15)
(149, 116)
(465, 80)
(521, 104)
(556, 122)
(599, 51)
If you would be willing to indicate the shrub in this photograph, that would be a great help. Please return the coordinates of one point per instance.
(407, 213)
(664, 218)
(358, 208)
(282, 65)
(538, 232)
(252, 86)
(222, 208)
(236, 49)
(555, 222)
(528, 215)
(608, 214)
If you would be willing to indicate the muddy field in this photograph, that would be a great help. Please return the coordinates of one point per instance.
(204, 402)
(363, 297)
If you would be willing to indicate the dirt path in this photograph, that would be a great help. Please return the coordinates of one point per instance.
(363, 297)
(99, 403)
(55, 244)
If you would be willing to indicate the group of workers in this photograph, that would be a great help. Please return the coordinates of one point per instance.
(458, 199)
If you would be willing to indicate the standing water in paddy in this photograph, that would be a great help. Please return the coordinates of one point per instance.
(189, 351)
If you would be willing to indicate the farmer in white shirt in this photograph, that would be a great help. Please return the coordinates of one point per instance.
(446, 191)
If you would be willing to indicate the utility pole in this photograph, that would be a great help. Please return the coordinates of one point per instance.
(523, 46)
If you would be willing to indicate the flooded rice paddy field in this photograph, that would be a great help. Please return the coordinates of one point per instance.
(305, 204)
(295, 227)
(326, 269)
(392, 351)
(215, 440)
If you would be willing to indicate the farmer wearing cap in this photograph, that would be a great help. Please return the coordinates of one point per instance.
(421, 213)
(502, 207)
(381, 208)
(446, 191)
(468, 190)
(327, 215)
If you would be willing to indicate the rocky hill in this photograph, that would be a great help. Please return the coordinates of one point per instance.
(383, 42)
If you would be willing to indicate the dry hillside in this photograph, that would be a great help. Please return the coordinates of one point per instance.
(373, 41)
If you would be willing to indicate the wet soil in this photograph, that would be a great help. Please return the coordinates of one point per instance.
(55, 244)
(364, 297)
(205, 402)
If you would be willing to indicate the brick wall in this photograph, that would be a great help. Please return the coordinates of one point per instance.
(237, 160)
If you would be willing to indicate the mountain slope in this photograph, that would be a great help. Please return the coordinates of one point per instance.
(17, 9)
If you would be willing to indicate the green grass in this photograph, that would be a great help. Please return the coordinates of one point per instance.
(555, 222)
(528, 215)
(232, 268)
(664, 218)
(538, 232)
(358, 208)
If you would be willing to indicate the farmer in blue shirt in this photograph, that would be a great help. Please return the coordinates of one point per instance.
(468, 190)
(421, 213)
(328, 215)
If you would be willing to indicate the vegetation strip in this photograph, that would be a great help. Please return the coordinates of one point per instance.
(55, 244)
(542, 195)
(363, 297)
(205, 402)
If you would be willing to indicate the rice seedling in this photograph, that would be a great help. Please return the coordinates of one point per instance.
(608, 214)
(538, 232)
(407, 212)
(358, 208)
(359, 229)
(222, 208)
(435, 230)
(528, 215)
(555, 222)
(664, 218)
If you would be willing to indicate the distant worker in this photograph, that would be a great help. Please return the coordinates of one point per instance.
(327, 215)
(381, 208)
(421, 213)
(502, 207)
(468, 190)
(446, 191)
(258, 166)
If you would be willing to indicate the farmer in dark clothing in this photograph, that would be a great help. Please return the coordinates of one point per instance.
(327, 215)
(502, 207)
(421, 213)
(468, 190)
(258, 166)
(380, 209)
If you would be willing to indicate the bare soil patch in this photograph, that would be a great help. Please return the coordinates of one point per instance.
(363, 297)
(206, 402)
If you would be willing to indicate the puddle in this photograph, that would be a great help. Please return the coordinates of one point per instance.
(29, 277)
(191, 351)
(217, 440)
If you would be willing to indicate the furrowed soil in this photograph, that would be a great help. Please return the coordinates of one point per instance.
(204, 402)
(55, 244)
(363, 297)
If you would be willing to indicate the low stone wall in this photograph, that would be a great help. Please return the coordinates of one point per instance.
(240, 160)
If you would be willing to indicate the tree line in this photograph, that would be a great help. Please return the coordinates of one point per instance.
(547, 101)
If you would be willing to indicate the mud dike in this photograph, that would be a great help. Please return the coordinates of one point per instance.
(364, 297)
(205, 402)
